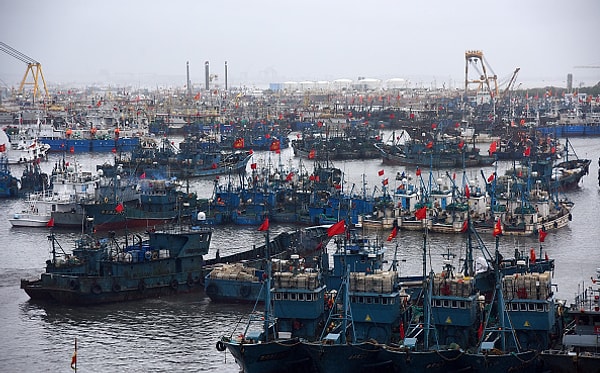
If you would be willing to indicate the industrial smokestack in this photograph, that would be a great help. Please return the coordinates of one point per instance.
(225, 75)
(207, 75)
(189, 83)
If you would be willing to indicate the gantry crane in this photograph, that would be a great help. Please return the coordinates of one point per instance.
(489, 82)
(33, 66)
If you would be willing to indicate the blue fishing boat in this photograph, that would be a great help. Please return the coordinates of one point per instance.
(107, 270)
(266, 347)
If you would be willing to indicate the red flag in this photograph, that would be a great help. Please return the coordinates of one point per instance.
(2, 148)
(430, 145)
(465, 226)
(493, 147)
(461, 144)
(74, 360)
(311, 154)
(381, 172)
(50, 223)
(393, 234)
(337, 228)
(143, 175)
(542, 234)
(491, 178)
(480, 330)
(265, 225)
(197, 97)
(467, 191)
(289, 176)
(253, 166)
(498, 228)
(402, 330)
(119, 209)
(532, 257)
(421, 213)
(72, 150)
(385, 181)
(418, 171)
(527, 151)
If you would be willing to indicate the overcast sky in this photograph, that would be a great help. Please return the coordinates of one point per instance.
(147, 42)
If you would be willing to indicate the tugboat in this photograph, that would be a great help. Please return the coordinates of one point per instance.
(106, 270)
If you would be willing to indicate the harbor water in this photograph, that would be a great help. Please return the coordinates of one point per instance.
(178, 334)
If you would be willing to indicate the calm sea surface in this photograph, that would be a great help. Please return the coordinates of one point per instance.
(178, 334)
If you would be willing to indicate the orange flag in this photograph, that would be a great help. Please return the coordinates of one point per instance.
(498, 228)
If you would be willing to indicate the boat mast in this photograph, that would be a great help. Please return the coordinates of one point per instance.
(268, 290)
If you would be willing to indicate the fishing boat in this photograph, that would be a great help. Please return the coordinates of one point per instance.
(70, 188)
(579, 349)
(242, 281)
(34, 215)
(196, 156)
(9, 185)
(432, 152)
(23, 150)
(159, 201)
(107, 270)
(265, 346)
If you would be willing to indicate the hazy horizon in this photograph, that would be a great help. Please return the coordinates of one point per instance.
(148, 43)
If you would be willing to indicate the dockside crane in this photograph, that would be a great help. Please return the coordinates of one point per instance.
(474, 58)
(511, 82)
(33, 67)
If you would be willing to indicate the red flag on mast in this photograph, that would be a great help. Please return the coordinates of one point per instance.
(265, 225)
(393, 234)
(337, 228)
(421, 213)
(498, 228)
(542, 234)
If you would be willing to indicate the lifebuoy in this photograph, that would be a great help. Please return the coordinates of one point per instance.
(96, 289)
(570, 217)
(105, 199)
(116, 287)
(245, 291)
(220, 346)
(174, 284)
(73, 284)
(212, 290)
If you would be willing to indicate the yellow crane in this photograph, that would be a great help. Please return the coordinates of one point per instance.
(33, 67)
(484, 82)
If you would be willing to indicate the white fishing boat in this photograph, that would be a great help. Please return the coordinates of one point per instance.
(34, 215)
